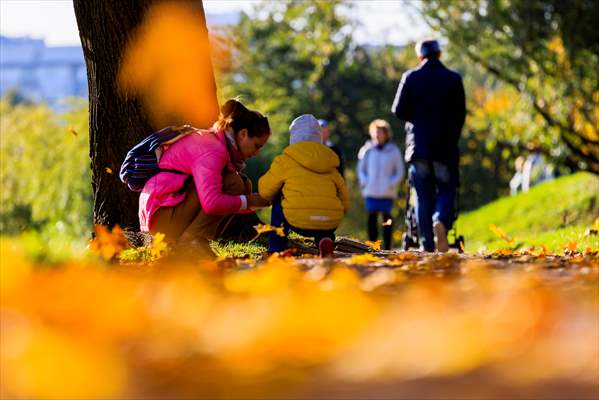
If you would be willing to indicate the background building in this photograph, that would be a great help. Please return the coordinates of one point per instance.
(40, 73)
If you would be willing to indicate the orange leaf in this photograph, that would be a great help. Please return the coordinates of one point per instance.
(107, 244)
(572, 245)
(72, 131)
(109, 170)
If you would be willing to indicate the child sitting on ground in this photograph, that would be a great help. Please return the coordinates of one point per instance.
(308, 194)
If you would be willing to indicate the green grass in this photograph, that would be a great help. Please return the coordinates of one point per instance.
(252, 249)
(553, 214)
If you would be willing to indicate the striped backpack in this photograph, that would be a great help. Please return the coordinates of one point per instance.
(141, 162)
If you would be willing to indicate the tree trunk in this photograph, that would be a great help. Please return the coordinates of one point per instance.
(117, 121)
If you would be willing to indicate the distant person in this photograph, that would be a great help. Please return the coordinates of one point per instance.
(431, 99)
(535, 169)
(517, 179)
(380, 171)
(326, 140)
(308, 194)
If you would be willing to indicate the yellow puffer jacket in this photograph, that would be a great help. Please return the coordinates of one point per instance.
(314, 193)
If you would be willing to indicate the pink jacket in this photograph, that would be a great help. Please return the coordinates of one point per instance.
(204, 155)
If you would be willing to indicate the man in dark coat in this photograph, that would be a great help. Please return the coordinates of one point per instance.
(430, 98)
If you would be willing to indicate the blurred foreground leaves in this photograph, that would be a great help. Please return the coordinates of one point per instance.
(235, 328)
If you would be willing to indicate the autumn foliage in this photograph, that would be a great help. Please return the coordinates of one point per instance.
(166, 64)
(282, 325)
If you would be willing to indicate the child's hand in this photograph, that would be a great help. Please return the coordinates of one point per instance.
(257, 201)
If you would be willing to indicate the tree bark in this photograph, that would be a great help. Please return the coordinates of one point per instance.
(117, 121)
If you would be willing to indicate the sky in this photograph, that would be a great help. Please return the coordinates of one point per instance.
(383, 21)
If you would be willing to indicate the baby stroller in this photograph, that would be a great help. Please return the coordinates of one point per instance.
(410, 237)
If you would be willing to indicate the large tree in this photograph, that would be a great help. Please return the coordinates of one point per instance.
(117, 119)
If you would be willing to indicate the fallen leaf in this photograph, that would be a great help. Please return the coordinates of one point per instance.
(365, 258)
(501, 233)
(376, 245)
(158, 247)
(107, 243)
(571, 245)
(264, 228)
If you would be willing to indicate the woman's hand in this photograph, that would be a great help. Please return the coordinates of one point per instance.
(257, 201)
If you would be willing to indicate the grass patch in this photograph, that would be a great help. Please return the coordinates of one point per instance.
(224, 248)
(553, 214)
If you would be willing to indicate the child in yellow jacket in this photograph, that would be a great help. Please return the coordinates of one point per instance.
(309, 195)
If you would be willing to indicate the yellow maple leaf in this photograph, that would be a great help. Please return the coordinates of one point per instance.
(544, 251)
(72, 131)
(109, 170)
(501, 233)
(376, 245)
(159, 246)
(264, 228)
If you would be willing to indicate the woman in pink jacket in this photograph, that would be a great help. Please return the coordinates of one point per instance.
(194, 208)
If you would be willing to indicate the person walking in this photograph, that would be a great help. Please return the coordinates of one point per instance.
(380, 171)
(431, 100)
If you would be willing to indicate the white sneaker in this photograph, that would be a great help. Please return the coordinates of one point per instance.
(441, 237)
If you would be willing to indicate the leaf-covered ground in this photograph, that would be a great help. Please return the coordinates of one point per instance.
(508, 324)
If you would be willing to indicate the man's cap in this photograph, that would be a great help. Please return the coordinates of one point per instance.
(305, 128)
(428, 48)
(323, 123)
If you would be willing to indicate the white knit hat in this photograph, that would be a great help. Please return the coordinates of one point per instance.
(305, 128)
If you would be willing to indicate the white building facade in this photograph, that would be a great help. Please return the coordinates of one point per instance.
(39, 73)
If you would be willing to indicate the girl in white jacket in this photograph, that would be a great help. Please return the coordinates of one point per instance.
(380, 171)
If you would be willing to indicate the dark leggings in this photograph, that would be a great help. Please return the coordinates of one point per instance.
(387, 228)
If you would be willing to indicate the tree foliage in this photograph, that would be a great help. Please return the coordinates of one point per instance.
(545, 50)
(45, 169)
(291, 58)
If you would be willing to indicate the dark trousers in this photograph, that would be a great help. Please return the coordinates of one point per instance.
(279, 243)
(373, 231)
(436, 186)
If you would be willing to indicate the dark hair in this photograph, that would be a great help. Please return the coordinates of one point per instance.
(428, 49)
(236, 116)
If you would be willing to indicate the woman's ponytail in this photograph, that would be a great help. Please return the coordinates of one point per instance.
(234, 115)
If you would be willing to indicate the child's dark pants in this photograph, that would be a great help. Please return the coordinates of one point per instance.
(279, 243)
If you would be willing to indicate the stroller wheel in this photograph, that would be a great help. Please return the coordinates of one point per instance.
(407, 242)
